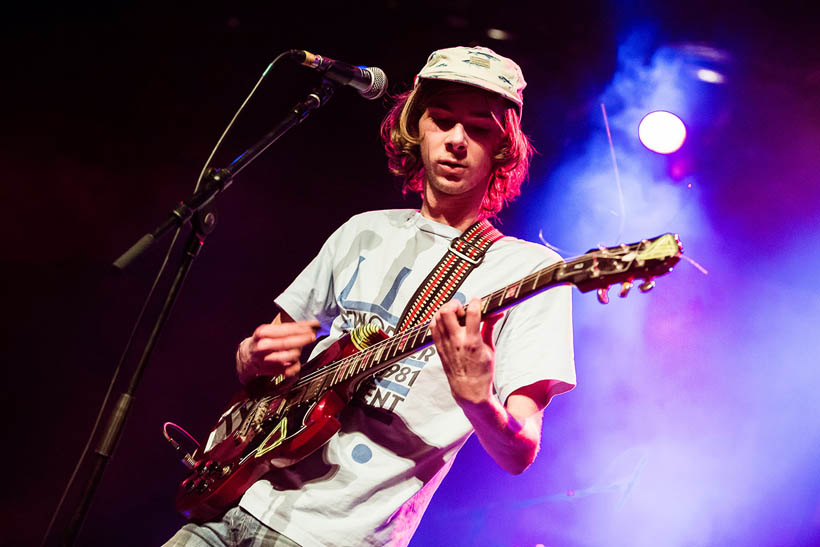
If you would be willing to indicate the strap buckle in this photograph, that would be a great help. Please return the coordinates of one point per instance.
(473, 261)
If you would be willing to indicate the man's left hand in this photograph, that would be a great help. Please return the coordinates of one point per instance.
(467, 352)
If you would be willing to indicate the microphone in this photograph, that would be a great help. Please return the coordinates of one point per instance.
(370, 82)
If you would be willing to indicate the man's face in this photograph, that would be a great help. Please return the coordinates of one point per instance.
(460, 130)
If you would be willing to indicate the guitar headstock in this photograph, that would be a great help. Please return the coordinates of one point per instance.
(646, 259)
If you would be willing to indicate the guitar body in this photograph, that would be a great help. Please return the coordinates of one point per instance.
(267, 425)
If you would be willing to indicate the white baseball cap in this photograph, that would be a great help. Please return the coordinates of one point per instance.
(479, 67)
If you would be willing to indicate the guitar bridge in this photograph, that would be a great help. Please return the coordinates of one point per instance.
(261, 412)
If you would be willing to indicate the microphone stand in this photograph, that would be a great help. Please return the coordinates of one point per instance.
(203, 223)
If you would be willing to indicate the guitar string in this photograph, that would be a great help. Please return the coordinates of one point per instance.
(414, 331)
(383, 345)
(333, 368)
(535, 277)
(324, 371)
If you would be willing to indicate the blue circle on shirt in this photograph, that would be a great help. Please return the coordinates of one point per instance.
(362, 453)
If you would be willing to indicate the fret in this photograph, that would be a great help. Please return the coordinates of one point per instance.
(489, 306)
(364, 362)
(548, 274)
(335, 379)
(537, 277)
(330, 378)
(334, 375)
(415, 343)
(413, 334)
(312, 389)
(343, 364)
(319, 382)
(392, 350)
(418, 330)
(365, 355)
(322, 382)
(361, 362)
(379, 353)
(506, 294)
(511, 292)
(522, 290)
(298, 396)
(402, 342)
(351, 369)
(373, 357)
(484, 303)
(526, 280)
(500, 296)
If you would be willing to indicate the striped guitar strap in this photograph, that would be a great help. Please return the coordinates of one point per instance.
(465, 253)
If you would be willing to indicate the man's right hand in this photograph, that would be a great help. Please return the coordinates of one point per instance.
(274, 348)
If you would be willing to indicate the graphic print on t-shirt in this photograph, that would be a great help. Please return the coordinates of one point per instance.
(391, 386)
(356, 313)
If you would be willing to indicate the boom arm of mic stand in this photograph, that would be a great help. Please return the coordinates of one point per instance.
(217, 180)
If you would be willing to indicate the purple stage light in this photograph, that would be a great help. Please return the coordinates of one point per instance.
(662, 132)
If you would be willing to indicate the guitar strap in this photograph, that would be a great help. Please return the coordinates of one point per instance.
(465, 253)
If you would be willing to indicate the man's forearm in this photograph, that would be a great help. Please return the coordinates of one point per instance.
(513, 444)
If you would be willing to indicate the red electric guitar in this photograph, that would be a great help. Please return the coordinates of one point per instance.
(275, 423)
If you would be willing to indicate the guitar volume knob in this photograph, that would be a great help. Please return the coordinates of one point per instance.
(201, 485)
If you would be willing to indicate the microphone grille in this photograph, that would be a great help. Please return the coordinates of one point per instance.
(378, 86)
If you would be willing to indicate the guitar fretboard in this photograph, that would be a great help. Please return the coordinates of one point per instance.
(386, 352)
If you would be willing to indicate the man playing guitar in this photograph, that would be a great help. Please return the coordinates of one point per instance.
(456, 139)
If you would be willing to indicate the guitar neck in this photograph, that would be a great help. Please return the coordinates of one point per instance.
(386, 352)
(522, 289)
(596, 269)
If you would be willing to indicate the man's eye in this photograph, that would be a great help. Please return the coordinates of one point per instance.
(479, 129)
(444, 123)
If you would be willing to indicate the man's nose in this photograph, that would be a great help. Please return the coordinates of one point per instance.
(457, 137)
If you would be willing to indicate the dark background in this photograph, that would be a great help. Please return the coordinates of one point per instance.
(110, 113)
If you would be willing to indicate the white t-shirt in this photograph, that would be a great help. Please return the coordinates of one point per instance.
(371, 483)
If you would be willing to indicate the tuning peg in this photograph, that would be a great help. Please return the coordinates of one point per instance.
(647, 285)
(625, 286)
(603, 295)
